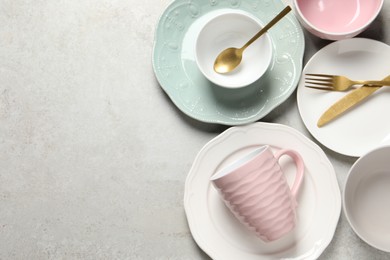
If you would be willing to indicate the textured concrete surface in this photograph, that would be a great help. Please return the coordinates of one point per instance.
(93, 154)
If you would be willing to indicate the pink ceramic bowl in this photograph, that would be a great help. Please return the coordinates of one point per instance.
(337, 19)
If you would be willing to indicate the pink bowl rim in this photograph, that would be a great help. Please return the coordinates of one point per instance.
(374, 16)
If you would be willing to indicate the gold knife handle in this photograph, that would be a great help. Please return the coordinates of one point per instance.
(372, 82)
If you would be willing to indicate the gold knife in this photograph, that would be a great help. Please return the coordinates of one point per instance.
(348, 101)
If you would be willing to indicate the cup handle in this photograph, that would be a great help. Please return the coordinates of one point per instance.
(300, 168)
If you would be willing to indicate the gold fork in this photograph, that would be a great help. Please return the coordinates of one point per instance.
(338, 83)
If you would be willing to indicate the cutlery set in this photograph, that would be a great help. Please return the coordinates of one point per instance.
(342, 83)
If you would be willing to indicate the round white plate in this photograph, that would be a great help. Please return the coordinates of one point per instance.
(364, 126)
(221, 235)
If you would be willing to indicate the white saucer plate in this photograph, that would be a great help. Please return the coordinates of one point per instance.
(222, 236)
(363, 127)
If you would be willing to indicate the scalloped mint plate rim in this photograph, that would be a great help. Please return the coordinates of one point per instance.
(250, 109)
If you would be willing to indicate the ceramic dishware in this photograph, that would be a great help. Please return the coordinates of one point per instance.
(337, 19)
(366, 197)
(354, 58)
(218, 232)
(256, 190)
(227, 30)
(192, 93)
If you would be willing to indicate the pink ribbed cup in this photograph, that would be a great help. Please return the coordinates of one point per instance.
(255, 189)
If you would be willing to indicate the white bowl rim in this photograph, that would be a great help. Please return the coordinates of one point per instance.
(266, 35)
(346, 212)
(356, 31)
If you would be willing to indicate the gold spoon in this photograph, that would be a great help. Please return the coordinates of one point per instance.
(230, 58)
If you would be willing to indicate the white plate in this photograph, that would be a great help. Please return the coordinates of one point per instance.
(217, 231)
(365, 125)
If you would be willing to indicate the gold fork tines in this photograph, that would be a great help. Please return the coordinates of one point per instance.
(337, 82)
(319, 81)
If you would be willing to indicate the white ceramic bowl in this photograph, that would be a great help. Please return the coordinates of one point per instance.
(366, 198)
(233, 29)
(337, 19)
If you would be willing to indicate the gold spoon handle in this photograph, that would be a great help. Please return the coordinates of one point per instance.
(269, 25)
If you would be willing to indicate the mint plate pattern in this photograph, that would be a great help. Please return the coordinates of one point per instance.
(176, 70)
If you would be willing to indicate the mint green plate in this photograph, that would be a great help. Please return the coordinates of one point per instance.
(176, 70)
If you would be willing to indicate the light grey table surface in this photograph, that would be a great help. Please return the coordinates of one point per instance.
(93, 154)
